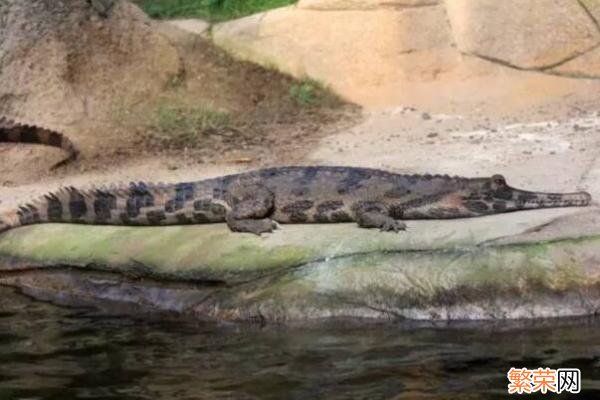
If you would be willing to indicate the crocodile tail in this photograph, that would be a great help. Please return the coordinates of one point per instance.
(11, 131)
(8, 221)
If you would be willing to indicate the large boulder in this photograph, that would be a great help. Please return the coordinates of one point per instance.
(519, 265)
(71, 60)
(585, 66)
(363, 55)
(387, 53)
(533, 35)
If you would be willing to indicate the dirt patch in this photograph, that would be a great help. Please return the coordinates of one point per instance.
(267, 120)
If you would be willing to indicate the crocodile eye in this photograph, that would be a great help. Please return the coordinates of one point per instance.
(498, 180)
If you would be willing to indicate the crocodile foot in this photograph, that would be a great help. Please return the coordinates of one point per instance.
(256, 226)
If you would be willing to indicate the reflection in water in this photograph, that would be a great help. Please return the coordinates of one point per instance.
(49, 352)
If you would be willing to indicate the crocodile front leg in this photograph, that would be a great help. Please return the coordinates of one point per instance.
(250, 207)
(375, 215)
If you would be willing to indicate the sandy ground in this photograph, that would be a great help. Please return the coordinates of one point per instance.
(553, 148)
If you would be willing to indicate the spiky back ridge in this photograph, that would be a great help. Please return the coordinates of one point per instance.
(14, 132)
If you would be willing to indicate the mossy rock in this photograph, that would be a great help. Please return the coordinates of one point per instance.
(521, 265)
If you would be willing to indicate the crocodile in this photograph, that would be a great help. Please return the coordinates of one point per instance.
(14, 132)
(256, 201)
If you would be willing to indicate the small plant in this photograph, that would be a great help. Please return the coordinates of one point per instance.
(184, 126)
(175, 81)
(309, 92)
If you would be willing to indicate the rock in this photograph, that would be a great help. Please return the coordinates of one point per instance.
(364, 55)
(518, 265)
(541, 34)
(593, 7)
(361, 4)
(585, 66)
(381, 54)
(61, 62)
(196, 26)
(102, 6)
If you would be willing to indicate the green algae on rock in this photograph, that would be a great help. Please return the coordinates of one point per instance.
(482, 268)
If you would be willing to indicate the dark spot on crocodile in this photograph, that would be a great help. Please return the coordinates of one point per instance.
(306, 176)
(174, 205)
(368, 206)
(353, 179)
(526, 197)
(397, 192)
(54, 208)
(321, 218)
(444, 212)
(297, 206)
(298, 217)
(554, 197)
(142, 193)
(155, 217)
(300, 191)
(219, 193)
(139, 196)
(396, 211)
(425, 199)
(499, 206)
(29, 136)
(133, 210)
(125, 219)
(183, 219)
(201, 218)
(185, 191)
(477, 206)
(504, 193)
(202, 205)
(55, 140)
(340, 216)
(103, 204)
(77, 205)
(330, 205)
(309, 173)
(268, 173)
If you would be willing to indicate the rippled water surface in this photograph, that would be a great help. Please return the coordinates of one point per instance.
(50, 352)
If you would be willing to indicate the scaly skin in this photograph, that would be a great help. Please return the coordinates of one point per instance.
(11, 131)
(253, 201)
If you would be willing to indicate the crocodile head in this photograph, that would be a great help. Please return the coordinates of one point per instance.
(483, 196)
(494, 195)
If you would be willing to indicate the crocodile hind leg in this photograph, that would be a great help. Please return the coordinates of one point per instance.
(250, 207)
(375, 215)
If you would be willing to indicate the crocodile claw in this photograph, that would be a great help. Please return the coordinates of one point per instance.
(393, 226)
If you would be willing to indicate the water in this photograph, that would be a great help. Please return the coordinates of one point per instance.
(50, 352)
